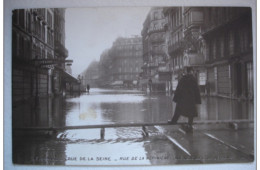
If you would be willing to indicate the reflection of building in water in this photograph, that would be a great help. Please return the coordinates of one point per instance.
(122, 112)
(33, 151)
(30, 147)
(48, 113)
(159, 154)
(225, 109)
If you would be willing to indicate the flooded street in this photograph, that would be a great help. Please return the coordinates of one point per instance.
(126, 145)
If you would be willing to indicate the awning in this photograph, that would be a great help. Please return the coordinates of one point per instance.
(69, 78)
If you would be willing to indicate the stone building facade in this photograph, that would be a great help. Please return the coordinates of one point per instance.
(38, 52)
(91, 75)
(217, 42)
(105, 69)
(156, 68)
(126, 54)
(229, 52)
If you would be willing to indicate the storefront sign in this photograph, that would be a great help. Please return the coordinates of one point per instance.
(41, 62)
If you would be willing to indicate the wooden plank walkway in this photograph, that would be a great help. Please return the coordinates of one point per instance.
(116, 125)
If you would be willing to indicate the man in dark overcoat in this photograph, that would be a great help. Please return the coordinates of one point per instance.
(186, 97)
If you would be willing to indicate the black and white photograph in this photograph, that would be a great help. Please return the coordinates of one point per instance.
(132, 86)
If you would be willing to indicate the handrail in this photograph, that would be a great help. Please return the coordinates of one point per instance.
(131, 125)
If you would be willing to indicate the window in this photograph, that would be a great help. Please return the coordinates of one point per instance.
(21, 18)
(156, 15)
(43, 53)
(222, 46)
(28, 49)
(21, 47)
(214, 49)
(28, 21)
(49, 19)
(43, 33)
(231, 43)
(15, 17)
(243, 38)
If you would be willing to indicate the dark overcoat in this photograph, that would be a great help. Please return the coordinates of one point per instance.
(186, 96)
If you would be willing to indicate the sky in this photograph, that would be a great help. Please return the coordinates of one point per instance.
(89, 31)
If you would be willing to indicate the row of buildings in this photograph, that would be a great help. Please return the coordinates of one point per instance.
(119, 66)
(39, 54)
(215, 41)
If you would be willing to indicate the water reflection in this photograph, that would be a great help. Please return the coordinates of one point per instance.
(106, 107)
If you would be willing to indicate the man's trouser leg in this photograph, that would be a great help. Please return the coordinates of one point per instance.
(175, 117)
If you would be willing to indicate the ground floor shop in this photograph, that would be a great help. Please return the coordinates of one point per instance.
(234, 80)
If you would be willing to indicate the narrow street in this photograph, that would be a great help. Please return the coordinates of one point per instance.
(165, 145)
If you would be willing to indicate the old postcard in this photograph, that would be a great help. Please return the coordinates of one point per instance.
(159, 85)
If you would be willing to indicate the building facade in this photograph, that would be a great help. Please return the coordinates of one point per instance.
(217, 43)
(105, 69)
(155, 56)
(229, 52)
(126, 54)
(91, 75)
(38, 53)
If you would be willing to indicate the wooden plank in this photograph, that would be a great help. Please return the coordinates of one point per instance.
(131, 125)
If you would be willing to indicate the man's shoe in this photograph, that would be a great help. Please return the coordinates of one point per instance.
(172, 122)
(187, 128)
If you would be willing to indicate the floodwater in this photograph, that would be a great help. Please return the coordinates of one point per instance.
(120, 146)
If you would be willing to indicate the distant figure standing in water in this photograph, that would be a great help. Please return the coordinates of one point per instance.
(88, 88)
(186, 97)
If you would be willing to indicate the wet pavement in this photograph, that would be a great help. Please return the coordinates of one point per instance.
(166, 145)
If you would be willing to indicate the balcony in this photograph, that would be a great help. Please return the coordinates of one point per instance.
(155, 30)
(152, 65)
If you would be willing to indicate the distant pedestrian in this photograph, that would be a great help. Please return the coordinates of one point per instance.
(88, 88)
(186, 97)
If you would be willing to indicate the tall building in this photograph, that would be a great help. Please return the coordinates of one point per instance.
(60, 52)
(105, 68)
(184, 41)
(217, 43)
(38, 53)
(229, 52)
(154, 51)
(126, 54)
(32, 43)
(91, 75)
